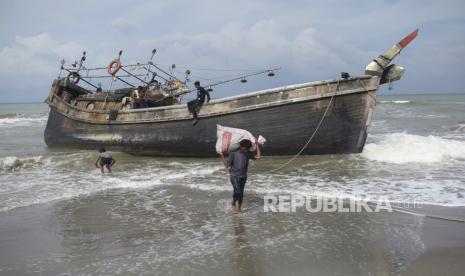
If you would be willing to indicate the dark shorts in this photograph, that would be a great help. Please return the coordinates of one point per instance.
(105, 161)
(194, 106)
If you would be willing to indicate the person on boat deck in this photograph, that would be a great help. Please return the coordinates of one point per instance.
(98, 92)
(135, 99)
(195, 105)
(238, 162)
(105, 160)
(142, 97)
(66, 96)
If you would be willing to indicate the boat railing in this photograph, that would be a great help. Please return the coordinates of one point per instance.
(146, 74)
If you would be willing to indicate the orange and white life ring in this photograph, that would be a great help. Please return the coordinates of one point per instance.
(114, 67)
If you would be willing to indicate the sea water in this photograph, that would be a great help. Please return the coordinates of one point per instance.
(171, 215)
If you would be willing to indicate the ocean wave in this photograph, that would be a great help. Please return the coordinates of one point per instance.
(396, 102)
(431, 192)
(21, 120)
(64, 176)
(455, 132)
(9, 115)
(13, 163)
(400, 148)
(458, 128)
(57, 185)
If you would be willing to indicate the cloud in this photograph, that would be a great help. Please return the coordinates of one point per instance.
(303, 55)
(309, 40)
(123, 25)
(259, 45)
(307, 51)
(36, 55)
(29, 64)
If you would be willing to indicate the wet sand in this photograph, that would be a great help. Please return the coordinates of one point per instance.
(439, 261)
(181, 231)
(444, 241)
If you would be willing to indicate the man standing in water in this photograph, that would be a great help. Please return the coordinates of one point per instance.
(238, 162)
(195, 105)
(105, 160)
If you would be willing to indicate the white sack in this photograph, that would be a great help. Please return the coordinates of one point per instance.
(228, 138)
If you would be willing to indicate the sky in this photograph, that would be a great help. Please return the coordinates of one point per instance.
(308, 40)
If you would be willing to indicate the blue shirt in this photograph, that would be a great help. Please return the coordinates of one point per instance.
(239, 163)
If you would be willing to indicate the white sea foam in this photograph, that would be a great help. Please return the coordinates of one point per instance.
(20, 120)
(59, 181)
(395, 102)
(406, 191)
(63, 175)
(400, 148)
(13, 163)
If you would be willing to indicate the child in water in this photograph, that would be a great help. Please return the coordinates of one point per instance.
(105, 160)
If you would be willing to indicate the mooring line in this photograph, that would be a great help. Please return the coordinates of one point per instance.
(311, 137)
(431, 216)
(402, 210)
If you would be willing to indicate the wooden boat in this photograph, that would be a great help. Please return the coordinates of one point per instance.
(287, 116)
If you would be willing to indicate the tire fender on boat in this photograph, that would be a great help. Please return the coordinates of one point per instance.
(74, 77)
(113, 70)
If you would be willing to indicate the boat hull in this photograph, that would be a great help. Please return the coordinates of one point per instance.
(286, 127)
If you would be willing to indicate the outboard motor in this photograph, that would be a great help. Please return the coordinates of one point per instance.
(380, 66)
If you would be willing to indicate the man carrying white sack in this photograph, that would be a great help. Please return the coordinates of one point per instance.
(238, 162)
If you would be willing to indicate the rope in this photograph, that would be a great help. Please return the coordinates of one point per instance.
(311, 137)
(213, 69)
(212, 78)
(405, 211)
(177, 94)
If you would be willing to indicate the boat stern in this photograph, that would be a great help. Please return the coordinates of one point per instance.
(382, 67)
